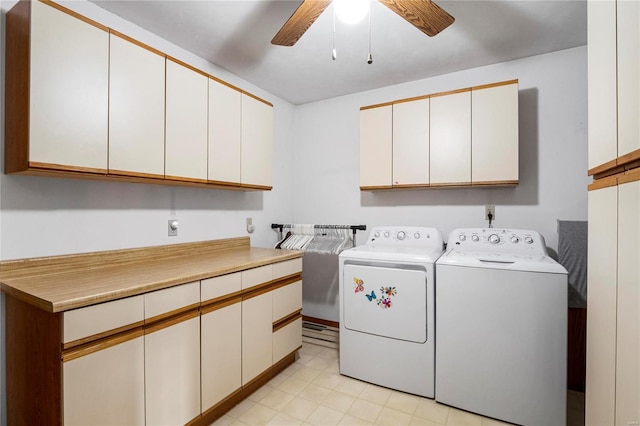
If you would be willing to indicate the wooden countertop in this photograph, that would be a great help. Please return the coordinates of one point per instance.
(61, 283)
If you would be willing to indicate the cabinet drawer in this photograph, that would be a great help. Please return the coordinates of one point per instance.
(255, 276)
(288, 267)
(97, 319)
(287, 339)
(171, 299)
(287, 300)
(212, 288)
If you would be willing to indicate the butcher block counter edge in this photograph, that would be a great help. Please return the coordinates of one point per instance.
(61, 283)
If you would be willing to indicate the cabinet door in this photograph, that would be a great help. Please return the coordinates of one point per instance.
(186, 123)
(225, 133)
(69, 91)
(376, 146)
(136, 109)
(494, 134)
(106, 387)
(257, 330)
(601, 307)
(287, 300)
(257, 142)
(287, 339)
(411, 143)
(601, 60)
(628, 319)
(450, 141)
(172, 373)
(221, 354)
(628, 27)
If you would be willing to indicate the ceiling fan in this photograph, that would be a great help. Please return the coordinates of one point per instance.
(425, 15)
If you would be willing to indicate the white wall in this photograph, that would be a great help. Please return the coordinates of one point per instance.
(553, 160)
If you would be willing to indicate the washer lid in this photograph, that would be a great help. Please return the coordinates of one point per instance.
(497, 260)
(386, 253)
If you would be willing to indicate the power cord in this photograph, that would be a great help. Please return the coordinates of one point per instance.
(490, 216)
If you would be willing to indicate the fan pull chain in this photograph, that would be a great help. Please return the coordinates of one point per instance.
(369, 57)
(334, 54)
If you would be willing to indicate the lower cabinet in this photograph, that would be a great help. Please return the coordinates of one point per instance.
(95, 383)
(172, 373)
(257, 340)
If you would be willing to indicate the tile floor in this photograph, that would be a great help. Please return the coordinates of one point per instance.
(312, 392)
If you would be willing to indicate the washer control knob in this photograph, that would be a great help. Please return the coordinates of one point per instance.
(416, 235)
(386, 234)
(401, 235)
(494, 239)
(515, 239)
(462, 237)
(528, 240)
(475, 238)
(376, 234)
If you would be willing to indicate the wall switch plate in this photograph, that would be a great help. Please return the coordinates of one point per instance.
(490, 209)
(250, 225)
(173, 227)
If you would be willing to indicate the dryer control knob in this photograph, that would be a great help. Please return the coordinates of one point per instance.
(416, 235)
(401, 235)
(462, 237)
(475, 238)
(494, 239)
(528, 240)
(386, 234)
(376, 234)
(515, 239)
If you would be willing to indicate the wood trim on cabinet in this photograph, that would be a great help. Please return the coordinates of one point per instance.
(75, 14)
(136, 42)
(629, 176)
(450, 184)
(251, 95)
(411, 186)
(219, 303)
(602, 167)
(124, 173)
(186, 65)
(195, 421)
(255, 187)
(283, 322)
(221, 408)
(375, 188)
(269, 374)
(609, 172)
(329, 323)
(94, 337)
(256, 290)
(603, 183)
(377, 105)
(168, 322)
(416, 98)
(149, 322)
(628, 158)
(501, 83)
(92, 347)
(33, 367)
(451, 92)
(284, 281)
(66, 168)
(17, 72)
(224, 83)
(185, 179)
(496, 183)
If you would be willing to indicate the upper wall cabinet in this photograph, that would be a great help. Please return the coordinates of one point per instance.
(186, 123)
(614, 87)
(225, 132)
(57, 83)
(459, 138)
(451, 139)
(89, 102)
(411, 143)
(257, 143)
(136, 83)
(494, 134)
(376, 131)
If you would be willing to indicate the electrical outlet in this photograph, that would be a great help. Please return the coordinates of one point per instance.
(173, 227)
(250, 226)
(489, 209)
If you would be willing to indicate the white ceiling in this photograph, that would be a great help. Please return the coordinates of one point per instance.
(236, 35)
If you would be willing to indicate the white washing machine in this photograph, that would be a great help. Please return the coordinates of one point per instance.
(501, 321)
(387, 316)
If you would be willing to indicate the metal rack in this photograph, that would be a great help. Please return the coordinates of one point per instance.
(354, 228)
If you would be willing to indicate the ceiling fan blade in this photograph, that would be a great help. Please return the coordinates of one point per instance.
(299, 22)
(425, 15)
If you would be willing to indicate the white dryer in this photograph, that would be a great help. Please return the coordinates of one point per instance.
(387, 328)
(501, 321)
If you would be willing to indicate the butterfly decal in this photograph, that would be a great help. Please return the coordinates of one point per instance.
(389, 291)
(371, 297)
(359, 284)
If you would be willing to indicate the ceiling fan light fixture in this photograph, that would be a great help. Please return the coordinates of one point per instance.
(351, 11)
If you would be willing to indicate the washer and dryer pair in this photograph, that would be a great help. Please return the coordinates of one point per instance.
(498, 309)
